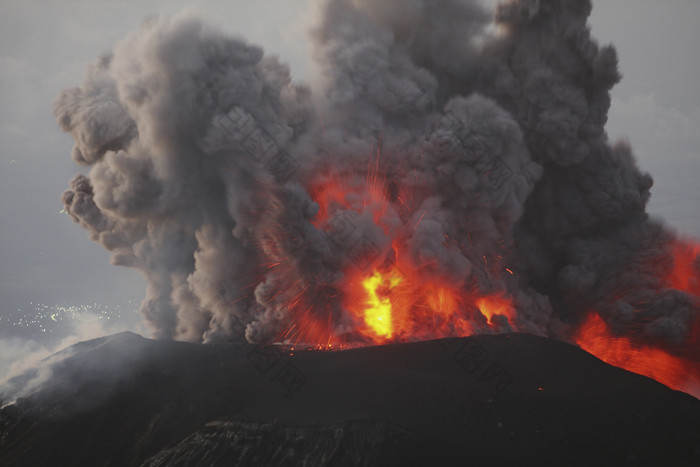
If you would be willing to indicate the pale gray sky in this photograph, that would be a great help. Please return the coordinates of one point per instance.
(47, 262)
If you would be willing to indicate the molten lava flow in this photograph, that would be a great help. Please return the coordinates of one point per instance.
(672, 371)
(679, 370)
(378, 313)
(685, 275)
(491, 306)
(391, 305)
(380, 303)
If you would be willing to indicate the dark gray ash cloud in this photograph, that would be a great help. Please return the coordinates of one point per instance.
(204, 151)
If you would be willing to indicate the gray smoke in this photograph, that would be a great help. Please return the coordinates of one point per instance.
(205, 156)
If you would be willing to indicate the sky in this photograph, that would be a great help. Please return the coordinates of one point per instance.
(55, 284)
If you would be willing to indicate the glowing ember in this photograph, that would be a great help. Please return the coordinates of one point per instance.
(672, 371)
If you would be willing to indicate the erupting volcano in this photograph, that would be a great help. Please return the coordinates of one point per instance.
(448, 174)
(391, 294)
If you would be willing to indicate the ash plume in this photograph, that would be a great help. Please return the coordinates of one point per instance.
(483, 130)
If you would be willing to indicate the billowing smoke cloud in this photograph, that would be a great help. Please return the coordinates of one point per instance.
(484, 134)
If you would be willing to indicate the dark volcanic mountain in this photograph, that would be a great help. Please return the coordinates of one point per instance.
(486, 400)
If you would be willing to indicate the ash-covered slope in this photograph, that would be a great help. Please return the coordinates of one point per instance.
(486, 400)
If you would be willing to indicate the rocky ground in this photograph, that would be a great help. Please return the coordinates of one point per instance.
(486, 400)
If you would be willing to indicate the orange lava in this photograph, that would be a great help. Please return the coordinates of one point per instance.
(377, 308)
(495, 305)
(685, 275)
(675, 372)
(390, 306)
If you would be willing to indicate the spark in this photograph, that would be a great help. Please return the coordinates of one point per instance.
(421, 218)
(45, 318)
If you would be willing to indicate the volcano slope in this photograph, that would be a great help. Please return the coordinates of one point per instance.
(488, 400)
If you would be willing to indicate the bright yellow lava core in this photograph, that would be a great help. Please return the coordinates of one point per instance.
(378, 311)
